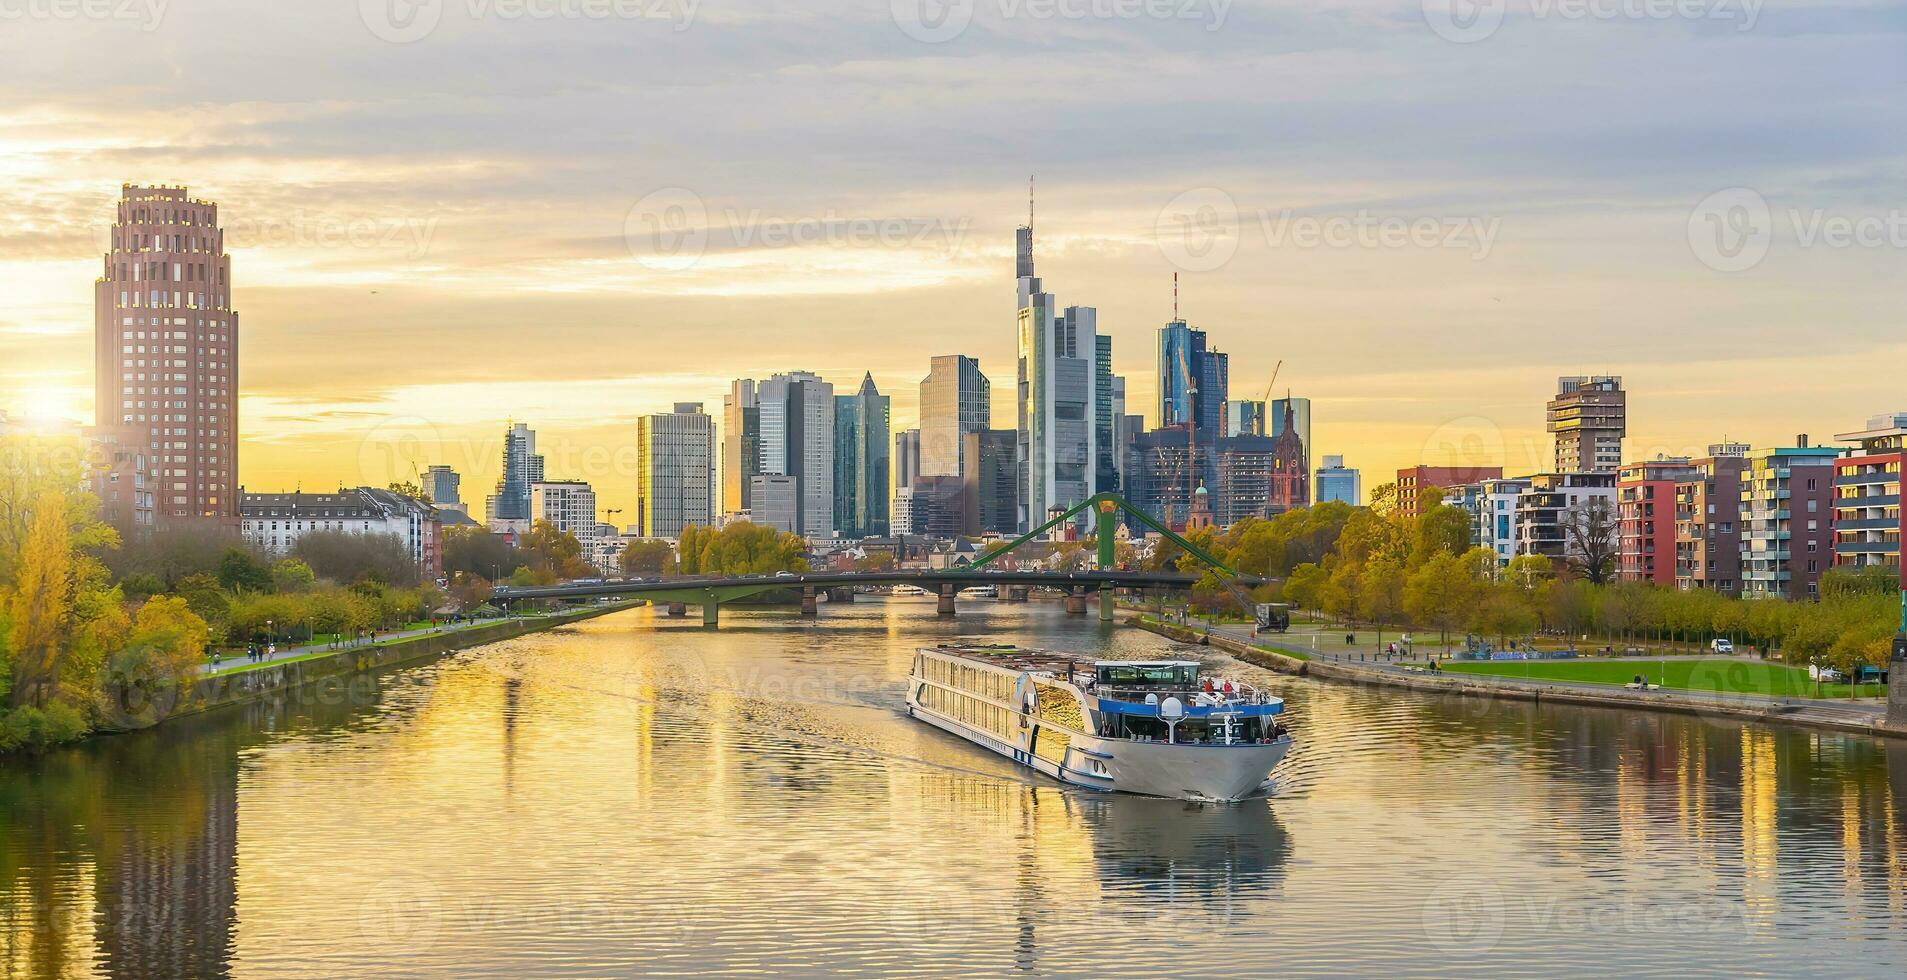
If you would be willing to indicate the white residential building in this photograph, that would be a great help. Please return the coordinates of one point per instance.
(273, 522)
(570, 506)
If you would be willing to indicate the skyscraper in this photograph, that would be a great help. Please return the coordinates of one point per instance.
(1339, 482)
(990, 494)
(509, 506)
(1589, 417)
(1194, 380)
(1106, 407)
(741, 444)
(1056, 398)
(906, 458)
(441, 487)
(797, 440)
(955, 399)
(1245, 417)
(570, 507)
(165, 348)
(675, 470)
(861, 462)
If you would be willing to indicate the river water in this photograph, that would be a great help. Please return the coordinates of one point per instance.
(635, 795)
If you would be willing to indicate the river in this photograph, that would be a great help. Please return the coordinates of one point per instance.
(636, 795)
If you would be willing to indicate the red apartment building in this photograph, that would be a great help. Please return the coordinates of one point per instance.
(1645, 518)
(1708, 521)
(1416, 479)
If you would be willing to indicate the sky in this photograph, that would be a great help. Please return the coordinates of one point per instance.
(449, 214)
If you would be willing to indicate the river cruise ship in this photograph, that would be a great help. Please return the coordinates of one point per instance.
(1155, 727)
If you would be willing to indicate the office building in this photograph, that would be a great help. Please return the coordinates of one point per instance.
(1108, 405)
(1194, 380)
(989, 493)
(509, 507)
(1055, 396)
(1588, 418)
(906, 461)
(675, 471)
(741, 444)
(1122, 430)
(1867, 515)
(442, 488)
(165, 349)
(861, 462)
(1413, 481)
(1245, 417)
(1787, 520)
(1708, 521)
(775, 501)
(955, 399)
(570, 507)
(1242, 476)
(1646, 518)
(797, 440)
(1336, 481)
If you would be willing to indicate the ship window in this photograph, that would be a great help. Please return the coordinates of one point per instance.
(1142, 675)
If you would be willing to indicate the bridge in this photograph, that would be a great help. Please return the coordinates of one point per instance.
(709, 592)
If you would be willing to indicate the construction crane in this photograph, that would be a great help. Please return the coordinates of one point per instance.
(1272, 384)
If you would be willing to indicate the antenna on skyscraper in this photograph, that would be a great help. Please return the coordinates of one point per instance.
(1175, 297)
(1029, 205)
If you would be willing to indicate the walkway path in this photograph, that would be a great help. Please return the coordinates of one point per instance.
(286, 654)
(1363, 658)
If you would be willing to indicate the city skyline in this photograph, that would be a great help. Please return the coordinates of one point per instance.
(393, 444)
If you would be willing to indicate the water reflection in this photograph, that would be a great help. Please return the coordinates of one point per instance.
(632, 796)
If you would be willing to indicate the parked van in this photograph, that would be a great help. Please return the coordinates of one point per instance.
(1721, 646)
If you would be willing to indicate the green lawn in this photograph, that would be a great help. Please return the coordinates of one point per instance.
(1718, 674)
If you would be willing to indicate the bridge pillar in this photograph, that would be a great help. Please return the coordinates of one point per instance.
(947, 600)
(1016, 593)
(1105, 603)
(711, 613)
(678, 609)
(1075, 603)
(845, 594)
(807, 601)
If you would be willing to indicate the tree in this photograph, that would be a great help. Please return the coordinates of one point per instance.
(1380, 596)
(240, 571)
(1442, 592)
(144, 679)
(650, 556)
(1439, 530)
(1304, 586)
(1589, 527)
(40, 608)
(407, 488)
(556, 551)
(476, 551)
(349, 558)
(1383, 499)
(292, 575)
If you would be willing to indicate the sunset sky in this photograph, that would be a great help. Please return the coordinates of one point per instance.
(433, 236)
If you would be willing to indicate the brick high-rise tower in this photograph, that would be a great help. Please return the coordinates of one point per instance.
(165, 348)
